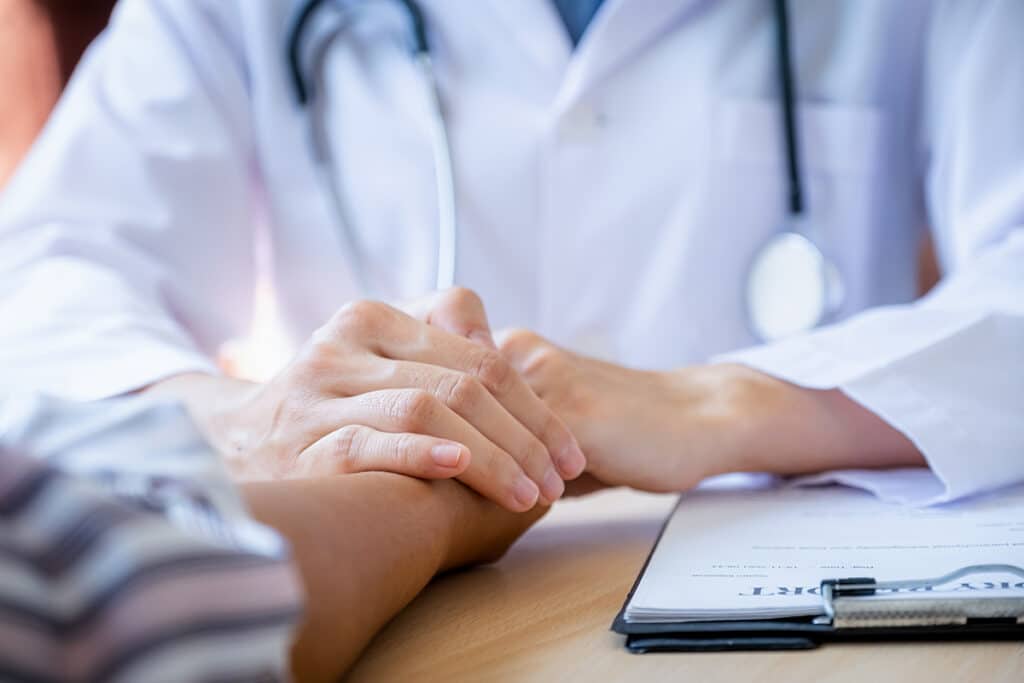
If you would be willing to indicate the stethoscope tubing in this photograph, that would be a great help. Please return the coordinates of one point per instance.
(309, 95)
(790, 129)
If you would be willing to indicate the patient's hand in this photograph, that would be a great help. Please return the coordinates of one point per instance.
(478, 530)
(366, 544)
(665, 431)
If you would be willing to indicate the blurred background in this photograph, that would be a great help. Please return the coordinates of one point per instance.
(40, 44)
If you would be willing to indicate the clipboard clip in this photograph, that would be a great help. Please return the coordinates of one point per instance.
(845, 607)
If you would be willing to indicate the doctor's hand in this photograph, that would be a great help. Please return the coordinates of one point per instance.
(377, 389)
(666, 431)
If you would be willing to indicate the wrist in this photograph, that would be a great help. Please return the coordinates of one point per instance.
(431, 505)
(454, 506)
(476, 530)
(731, 409)
(219, 407)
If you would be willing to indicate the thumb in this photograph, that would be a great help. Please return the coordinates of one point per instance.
(458, 311)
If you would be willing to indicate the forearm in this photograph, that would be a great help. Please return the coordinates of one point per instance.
(668, 430)
(365, 545)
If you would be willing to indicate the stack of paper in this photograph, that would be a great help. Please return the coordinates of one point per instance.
(731, 555)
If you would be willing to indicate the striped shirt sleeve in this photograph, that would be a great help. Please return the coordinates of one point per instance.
(112, 573)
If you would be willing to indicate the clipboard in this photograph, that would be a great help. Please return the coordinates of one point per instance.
(847, 618)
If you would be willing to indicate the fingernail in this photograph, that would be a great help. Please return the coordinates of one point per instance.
(446, 454)
(571, 460)
(552, 487)
(483, 337)
(525, 492)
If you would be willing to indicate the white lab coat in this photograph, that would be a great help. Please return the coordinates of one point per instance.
(610, 197)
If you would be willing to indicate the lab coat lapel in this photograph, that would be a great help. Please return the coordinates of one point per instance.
(538, 30)
(621, 30)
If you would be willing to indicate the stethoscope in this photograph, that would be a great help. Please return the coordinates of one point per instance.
(791, 285)
(307, 94)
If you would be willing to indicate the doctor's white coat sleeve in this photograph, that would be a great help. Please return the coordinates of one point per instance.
(126, 237)
(948, 371)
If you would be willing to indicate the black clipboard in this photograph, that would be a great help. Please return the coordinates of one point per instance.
(979, 622)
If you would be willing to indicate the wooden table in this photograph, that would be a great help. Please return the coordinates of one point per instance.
(543, 612)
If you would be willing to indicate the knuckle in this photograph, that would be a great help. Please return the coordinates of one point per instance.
(542, 361)
(359, 317)
(348, 442)
(519, 338)
(462, 392)
(415, 410)
(462, 297)
(494, 372)
(406, 451)
(319, 353)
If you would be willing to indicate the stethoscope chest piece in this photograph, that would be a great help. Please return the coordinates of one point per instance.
(792, 287)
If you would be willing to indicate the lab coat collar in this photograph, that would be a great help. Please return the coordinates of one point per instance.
(621, 30)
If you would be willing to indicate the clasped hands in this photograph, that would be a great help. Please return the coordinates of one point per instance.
(425, 390)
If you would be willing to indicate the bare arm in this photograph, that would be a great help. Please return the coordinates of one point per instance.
(665, 431)
(366, 544)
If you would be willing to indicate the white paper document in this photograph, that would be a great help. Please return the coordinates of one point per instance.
(762, 554)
